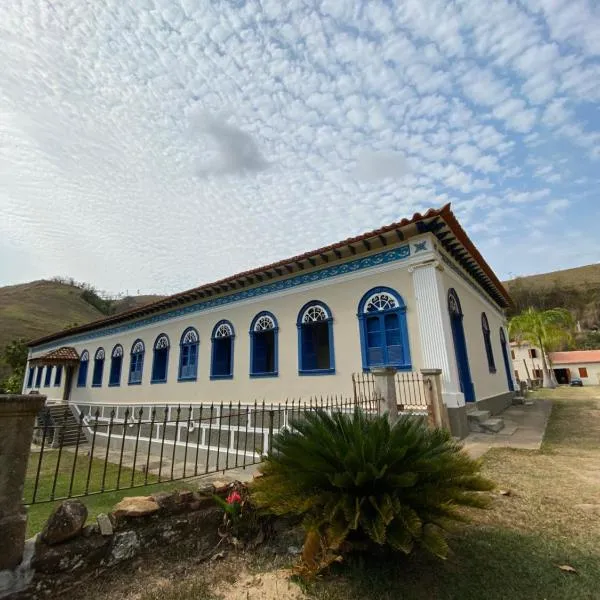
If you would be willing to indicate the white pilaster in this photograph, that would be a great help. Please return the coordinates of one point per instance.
(437, 345)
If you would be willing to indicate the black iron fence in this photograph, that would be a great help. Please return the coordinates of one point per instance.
(80, 450)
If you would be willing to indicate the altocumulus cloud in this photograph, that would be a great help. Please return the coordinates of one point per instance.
(157, 144)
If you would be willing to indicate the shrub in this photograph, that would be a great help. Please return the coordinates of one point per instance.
(356, 479)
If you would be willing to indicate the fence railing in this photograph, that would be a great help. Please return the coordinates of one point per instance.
(81, 450)
(412, 392)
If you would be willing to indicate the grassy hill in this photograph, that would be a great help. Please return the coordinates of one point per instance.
(578, 278)
(32, 310)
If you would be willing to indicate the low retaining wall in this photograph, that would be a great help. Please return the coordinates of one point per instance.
(118, 537)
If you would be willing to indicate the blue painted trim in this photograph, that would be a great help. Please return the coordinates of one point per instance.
(153, 381)
(96, 385)
(275, 372)
(114, 384)
(507, 362)
(367, 262)
(460, 348)
(317, 372)
(401, 312)
(134, 383)
(301, 370)
(184, 379)
(212, 350)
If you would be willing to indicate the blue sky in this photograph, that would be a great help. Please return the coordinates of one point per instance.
(154, 145)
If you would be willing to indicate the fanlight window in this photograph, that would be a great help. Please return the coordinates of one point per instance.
(188, 355)
(222, 351)
(161, 359)
(263, 346)
(116, 366)
(136, 365)
(315, 340)
(83, 369)
(380, 301)
(98, 368)
(383, 329)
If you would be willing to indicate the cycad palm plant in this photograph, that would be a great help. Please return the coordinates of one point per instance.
(355, 477)
(546, 329)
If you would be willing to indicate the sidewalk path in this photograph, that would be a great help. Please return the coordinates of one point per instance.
(524, 427)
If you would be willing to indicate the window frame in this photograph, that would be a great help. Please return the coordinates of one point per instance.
(183, 344)
(213, 338)
(400, 311)
(84, 358)
(584, 369)
(141, 353)
(111, 382)
(48, 376)
(301, 327)
(252, 332)
(99, 359)
(155, 350)
(58, 376)
(487, 343)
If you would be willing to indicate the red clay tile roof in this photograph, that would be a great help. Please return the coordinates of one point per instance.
(457, 245)
(575, 357)
(64, 354)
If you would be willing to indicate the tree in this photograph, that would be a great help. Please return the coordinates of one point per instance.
(15, 356)
(545, 329)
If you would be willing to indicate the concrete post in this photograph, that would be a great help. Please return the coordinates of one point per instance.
(17, 417)
(385, 388)
(432, 378)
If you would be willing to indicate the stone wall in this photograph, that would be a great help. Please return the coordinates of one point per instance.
(134, 527)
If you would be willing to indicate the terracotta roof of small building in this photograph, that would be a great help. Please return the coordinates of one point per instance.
(440, 222)
(575, 357)
(64, 354)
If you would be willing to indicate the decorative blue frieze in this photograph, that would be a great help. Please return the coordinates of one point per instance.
(367, 262)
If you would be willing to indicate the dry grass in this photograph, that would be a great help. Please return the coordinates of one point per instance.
(579, 277)
(551, 517)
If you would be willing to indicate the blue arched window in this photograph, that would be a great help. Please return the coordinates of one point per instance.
(315, 340)
(487, 342)
(48, 377)
(58, 376)
(98, 368)
(221, 364)
(160, 363)
(84, 360)
(116, 366)
(383, 331)
(263, 345)
(38, 377)
(188, 355)
(136, 364)
(30, 377)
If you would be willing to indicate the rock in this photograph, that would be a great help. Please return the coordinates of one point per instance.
(293, 550)
(125, 545)
(65, 522)
(105, 524)
(166, 500)
(185, 496)
(221, 487)
(206, 489)
(136, 506)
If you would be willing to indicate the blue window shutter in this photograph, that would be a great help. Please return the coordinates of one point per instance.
(82, 373)
(98, 371)
(259, 354)
(116, 365)
(159, 366)
(38, 377)
(309, 349)
(30, 377)
(48, 378)
(393, 339)
(375, 354)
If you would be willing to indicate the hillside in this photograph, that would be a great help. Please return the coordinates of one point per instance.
(577, 289)
(35, 309)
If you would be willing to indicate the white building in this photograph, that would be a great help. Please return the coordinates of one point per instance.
(415, 294)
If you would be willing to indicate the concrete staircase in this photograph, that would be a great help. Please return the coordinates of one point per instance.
(65, 428)
(481, 421)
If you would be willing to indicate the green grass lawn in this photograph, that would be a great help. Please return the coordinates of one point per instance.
(87, 475)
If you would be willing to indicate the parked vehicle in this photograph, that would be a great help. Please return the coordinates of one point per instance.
(576, 382)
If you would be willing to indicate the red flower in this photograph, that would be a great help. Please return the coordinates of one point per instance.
(234, 498)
